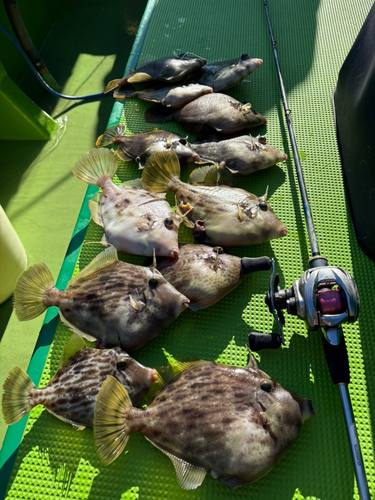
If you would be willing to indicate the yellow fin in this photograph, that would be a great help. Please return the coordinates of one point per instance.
(113, 84)
(140, 77)
(133, 183)
(159, 170)
(67, 420)
(76, 330)
(30, 290)
(185, 220)
(211, 175)
(110, 429)
(135, 300)
(188, 476)
(15, 400)
(74, 344)
(103, 259)
(94, 165)
(110, 135)
(94, 210)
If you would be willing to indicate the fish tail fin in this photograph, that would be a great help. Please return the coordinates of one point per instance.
(94, 165)
(113, 84)
(159, 114)
(30, 291)
(111, 429)
(110, 135)
(125, 93)
(159, 171)
(15, 400)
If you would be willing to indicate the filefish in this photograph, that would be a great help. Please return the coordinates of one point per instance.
(167, 69)
(222, 75)
(71, 394)
(133, 219)
(140, 147)
(220, 111)
(219, 214)
(174, 96)
(205, 274)
(241, 155)
(236, 422)
(118, 303)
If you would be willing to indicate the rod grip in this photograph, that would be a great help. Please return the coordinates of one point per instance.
(251, 265)
(337, 360)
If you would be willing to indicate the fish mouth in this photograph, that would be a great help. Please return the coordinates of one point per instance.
(185, 302)
(174, 253)
(154, 377)
(284, 231)
(285, 156)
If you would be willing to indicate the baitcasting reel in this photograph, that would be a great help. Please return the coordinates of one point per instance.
(324, 297)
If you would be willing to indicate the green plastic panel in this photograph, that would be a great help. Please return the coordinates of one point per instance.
(313, 38)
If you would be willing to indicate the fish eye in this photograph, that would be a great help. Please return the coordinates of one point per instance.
(183, 142)
(168, 222)
(266, 386)
(218, 249)
(263, 206)
(121, 365)
(153, 283)
(262, 139)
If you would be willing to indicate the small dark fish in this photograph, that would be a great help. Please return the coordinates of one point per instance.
(71, 394)
(118, 303)
(140, 147)
(222, 75)
(220, 111)
(219, 213)
(205, 274)
(134, 220)
(241, 155)
(236, 422)
(174, 96)
(167, 69)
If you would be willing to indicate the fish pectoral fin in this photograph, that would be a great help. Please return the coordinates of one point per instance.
(142, 224)
(74, 329)
(94, 210)
(135, 301)
(76, 426)
(188, 476)
(103, 259)
(240, 213)
(183, 215)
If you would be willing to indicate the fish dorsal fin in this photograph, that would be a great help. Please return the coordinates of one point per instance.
(182, 364)
(211, 175)
(74, 344)
(188, 476)
(94, 210)
(76, 426)
(140, 77)
(103, 259)
(76, 330)
(133, 183)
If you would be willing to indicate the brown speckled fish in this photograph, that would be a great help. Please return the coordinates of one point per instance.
(236, 422)
(139, 147)
(205, 274)
(134, 220)
(220, 214)
(241, 155)
(71, 394)
(118, 303)
(167, 69)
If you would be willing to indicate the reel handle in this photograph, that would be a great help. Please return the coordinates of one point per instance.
(259, 341)
(251, 265)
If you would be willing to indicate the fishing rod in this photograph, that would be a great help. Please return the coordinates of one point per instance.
(324, 297)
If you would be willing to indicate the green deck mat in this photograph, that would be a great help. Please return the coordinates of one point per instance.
(313, 38)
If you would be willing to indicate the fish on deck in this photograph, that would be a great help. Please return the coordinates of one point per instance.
(220, 111)
(236, 422)
(174, 96)
(134, 220)
(241, 155)
(205, 275)
(220, 214)
(166, 69)
(71, 394)
(140, 147)
(118, 303)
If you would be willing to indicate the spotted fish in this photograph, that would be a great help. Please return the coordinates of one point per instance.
(174, 96)
(167, 69)
(219, 214)
(112, 301)
(71, 394)
(241, 155)
(134, 220)
(205, 274)
(236, 422)
(223, 75)
(220, 111)
(140, 147)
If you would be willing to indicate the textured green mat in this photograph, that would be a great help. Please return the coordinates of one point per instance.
(313, 38)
